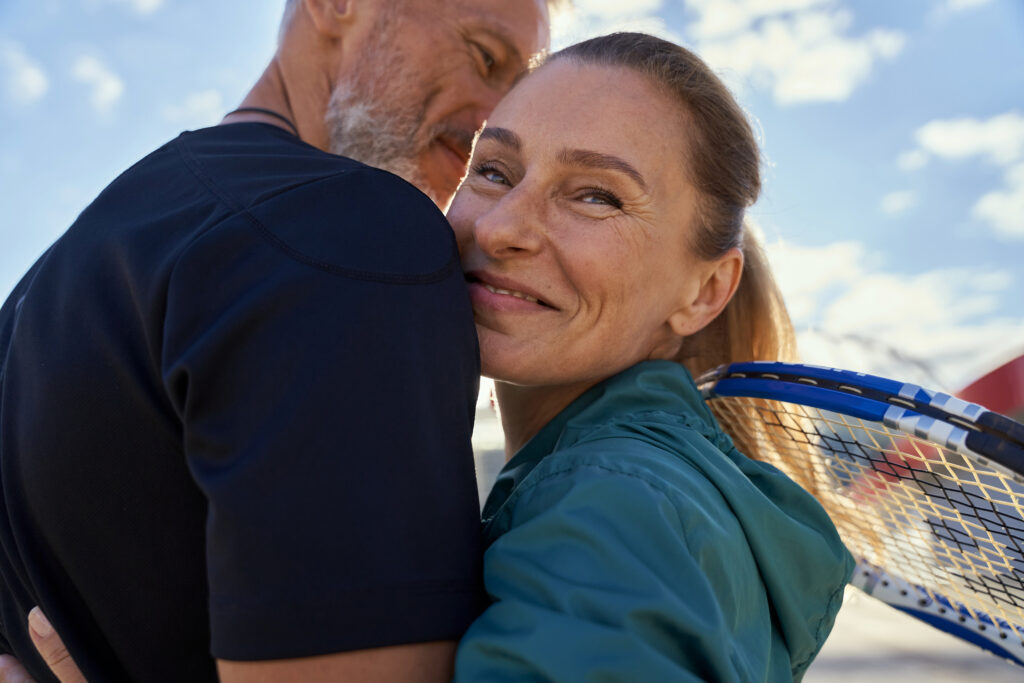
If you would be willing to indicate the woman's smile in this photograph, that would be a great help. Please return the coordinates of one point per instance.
(499, 293)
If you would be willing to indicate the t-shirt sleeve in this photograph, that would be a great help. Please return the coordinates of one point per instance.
(599, 578)
(320, 352)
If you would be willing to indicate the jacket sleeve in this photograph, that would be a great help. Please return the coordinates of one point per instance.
(605, 575)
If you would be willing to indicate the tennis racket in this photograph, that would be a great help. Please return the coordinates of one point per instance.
(927, 490)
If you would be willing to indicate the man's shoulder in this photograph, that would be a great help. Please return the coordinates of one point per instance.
(322, 209)
(363, 223)
(246, 163)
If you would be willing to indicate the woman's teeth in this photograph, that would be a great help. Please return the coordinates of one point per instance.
(518, 295)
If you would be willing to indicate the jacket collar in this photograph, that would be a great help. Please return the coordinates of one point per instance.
(651, 386)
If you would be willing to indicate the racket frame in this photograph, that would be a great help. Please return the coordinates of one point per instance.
(932, 416)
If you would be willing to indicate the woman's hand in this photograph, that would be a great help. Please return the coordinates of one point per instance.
(50, 647)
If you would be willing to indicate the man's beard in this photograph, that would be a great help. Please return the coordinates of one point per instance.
(377, 114)
(367, 118)
(386, 137)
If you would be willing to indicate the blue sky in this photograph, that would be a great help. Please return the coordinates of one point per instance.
(893, 135)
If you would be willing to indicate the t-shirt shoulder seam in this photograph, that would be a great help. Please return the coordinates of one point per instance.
(195, 166)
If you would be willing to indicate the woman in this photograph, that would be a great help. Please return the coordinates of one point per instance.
(601, 229)
(601, 232)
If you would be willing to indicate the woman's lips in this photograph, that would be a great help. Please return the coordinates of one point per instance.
(503, 294)
(518, 295)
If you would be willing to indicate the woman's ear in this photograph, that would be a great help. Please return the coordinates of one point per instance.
(331, 17)
(718, 282)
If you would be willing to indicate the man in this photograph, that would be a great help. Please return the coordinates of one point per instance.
(236, 396)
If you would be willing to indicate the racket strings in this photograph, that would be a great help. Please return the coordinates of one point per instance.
(946, 523)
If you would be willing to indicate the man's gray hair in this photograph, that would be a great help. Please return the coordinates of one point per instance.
(291, 5)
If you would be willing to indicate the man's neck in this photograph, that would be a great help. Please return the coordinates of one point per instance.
(274, 92)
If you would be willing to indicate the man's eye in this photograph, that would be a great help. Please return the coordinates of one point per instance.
(487, 58)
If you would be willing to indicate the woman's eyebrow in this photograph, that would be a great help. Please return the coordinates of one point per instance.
(571, 157)
(589, 159)
(503, 136)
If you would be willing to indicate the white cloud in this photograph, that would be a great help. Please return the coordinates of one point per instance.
(616, 9)
(107, 86)
(588, 18)
(1004, 209)
(958, 5)
(26, 81)
(716, 18)
(200, 109)
(883, 302)
(1000, 138)
(1000, 141)
(797, 49)
(912, 160)
(897, 202)
(144, 6)
(805, 274)
(138, 6)
(946, 317)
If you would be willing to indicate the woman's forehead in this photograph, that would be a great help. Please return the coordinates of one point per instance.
(612, 109)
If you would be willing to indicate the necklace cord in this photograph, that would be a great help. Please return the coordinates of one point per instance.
(267, 112)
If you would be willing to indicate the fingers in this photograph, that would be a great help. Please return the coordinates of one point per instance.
(51, 648)
(11, 671)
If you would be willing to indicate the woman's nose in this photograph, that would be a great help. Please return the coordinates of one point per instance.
(510, 227)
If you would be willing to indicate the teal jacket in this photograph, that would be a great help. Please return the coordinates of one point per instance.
(630, 541)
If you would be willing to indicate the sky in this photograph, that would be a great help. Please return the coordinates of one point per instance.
(892, 134)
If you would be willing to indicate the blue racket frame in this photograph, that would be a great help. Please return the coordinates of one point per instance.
(962, 427)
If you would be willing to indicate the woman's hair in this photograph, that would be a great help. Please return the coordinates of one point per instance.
(723, 162)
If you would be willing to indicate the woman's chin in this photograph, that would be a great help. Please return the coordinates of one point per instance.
(499, 374)
(516, 374)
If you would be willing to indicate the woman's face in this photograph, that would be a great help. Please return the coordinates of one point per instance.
(573, 225)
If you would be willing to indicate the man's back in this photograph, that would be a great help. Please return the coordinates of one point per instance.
(198, 383)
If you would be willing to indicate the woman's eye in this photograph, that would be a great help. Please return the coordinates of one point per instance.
(600, 197)
(491, 174)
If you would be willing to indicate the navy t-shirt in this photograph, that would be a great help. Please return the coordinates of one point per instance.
(236, 399)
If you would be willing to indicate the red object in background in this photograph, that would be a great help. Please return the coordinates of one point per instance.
(1001, 391)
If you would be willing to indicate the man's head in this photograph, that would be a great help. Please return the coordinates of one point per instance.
(404, 84)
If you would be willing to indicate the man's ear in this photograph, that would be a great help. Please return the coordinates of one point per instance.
(331, 17)
(718, 282)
